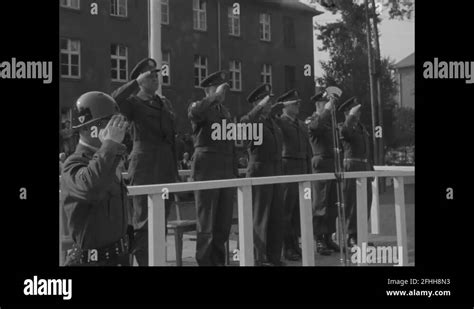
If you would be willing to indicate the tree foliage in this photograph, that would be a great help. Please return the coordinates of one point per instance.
(346, 43)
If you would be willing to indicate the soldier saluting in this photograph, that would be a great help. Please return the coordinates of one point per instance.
(265, 160)
(325, 191)
(153, 159)
(91, 186)
(296, 159)
(212, 159)
(356, 147)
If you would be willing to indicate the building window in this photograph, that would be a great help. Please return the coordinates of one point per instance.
(72, 4)
(118, 8)
(70, 58)
(119, 64)
(266, 74)
(165, 12)
(235, 69)
(265, 27)
(200, 69)
(290, 74)
(288, 32)
(166, 64)
(199, 15)
(233, 22)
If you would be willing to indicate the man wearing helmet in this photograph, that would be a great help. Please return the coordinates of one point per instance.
(91, 190)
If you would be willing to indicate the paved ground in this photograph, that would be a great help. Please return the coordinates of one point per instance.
(386, 237)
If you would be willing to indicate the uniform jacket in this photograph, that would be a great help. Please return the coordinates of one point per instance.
(213, 159)
(265, 159)
(295, 141)
(93, 195)
(355, 142)
(321, 134)
(152, 130)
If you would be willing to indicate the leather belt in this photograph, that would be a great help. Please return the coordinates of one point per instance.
(356, 160)
(213, 149)
(120, 247)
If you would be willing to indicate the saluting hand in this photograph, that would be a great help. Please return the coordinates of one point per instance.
(355, 109)
(329, 105)
(115, 129)
(265, 101)
(145, 75)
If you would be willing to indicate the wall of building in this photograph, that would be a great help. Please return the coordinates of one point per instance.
(179, 38)
(97, 33)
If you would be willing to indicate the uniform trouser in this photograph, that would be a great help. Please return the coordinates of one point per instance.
(350, 195)
(291, 216)
(267, 222)
(324, 201)
(147, 167)
(214, 219)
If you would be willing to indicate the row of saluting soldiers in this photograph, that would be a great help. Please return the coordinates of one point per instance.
(107, 232)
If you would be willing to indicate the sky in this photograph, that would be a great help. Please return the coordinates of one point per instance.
(397, 38)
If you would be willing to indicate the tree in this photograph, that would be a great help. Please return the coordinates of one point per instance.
(398, 9)
(404, 127)
(346, 43)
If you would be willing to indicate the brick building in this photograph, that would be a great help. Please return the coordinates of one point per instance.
(268, 41)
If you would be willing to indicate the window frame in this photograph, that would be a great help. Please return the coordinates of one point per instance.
(262, 24)
(68, 5)
(231, 19)
(118, 58)
(168, 62)
(117, 7)
(233, 72)
(70, 53)
(198, 19)
(264, 74)
(165, 3)
(200, 67)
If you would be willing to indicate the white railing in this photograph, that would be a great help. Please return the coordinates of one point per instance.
(156, 209)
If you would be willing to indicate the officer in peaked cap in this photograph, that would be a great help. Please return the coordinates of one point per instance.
(296, 159)
(153, 159)
(355, 141)
(324, 200)
(265, 160)
(91, 187)
(213, 159)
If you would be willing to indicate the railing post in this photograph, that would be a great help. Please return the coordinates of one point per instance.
(400, 217)
(362, 230)
(156, 231)
(374, 211)
(244, 200)
(306, 218)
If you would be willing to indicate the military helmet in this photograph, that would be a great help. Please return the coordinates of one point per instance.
(93, 106)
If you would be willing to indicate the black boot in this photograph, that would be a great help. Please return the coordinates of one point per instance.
(352, 240)
(330, 244)
(321, 247)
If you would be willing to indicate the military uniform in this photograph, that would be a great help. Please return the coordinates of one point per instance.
(325, 191)
(212, 160)
(153, 157)
(265, 160)
(94, 202)
(356, 147)
(296, 159)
